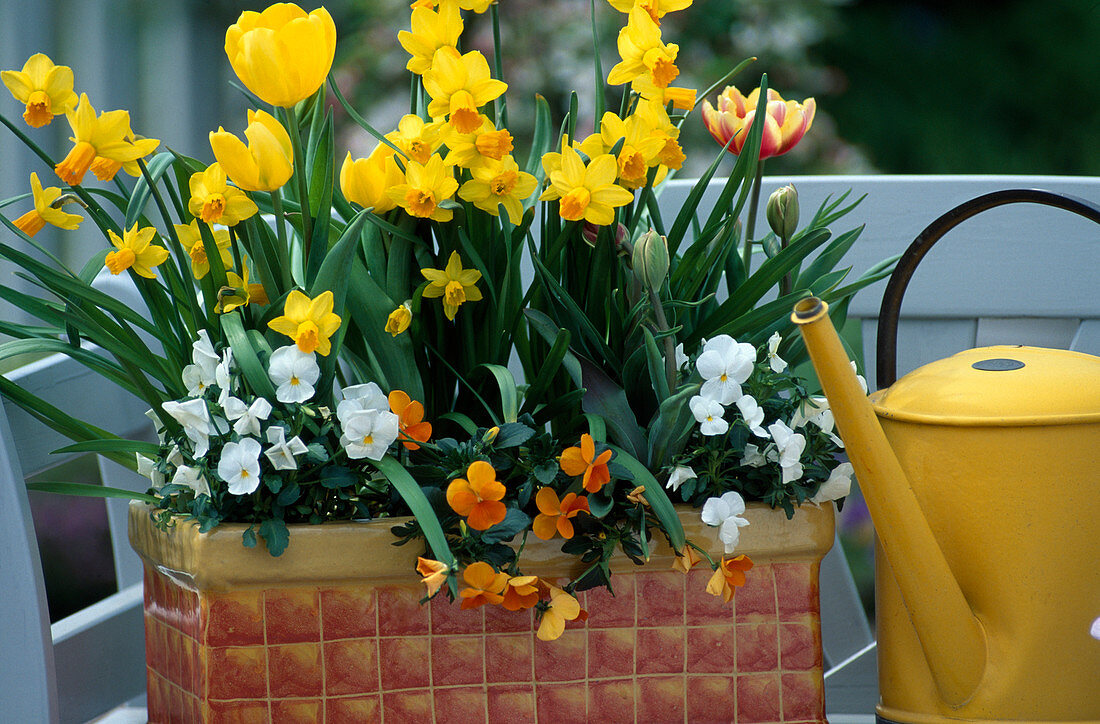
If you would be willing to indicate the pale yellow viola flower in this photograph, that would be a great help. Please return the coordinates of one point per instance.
(485, 144)
(45, 88)
(399, 319)
(587, 192)
(455, 284)
(134, 251)
(238, 292)
(657, 9)
(191, 241)
(216, 202)
(416, 139)
(562, 607)
(496, 183)
(458, 86)
(426, 186)
(47, 210)
(309, 322)
(266, 163)
(643, 53)
(429, 31)
(107, 135)
(366, 181)
(282, 54)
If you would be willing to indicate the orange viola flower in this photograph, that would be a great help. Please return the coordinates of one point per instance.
(728, 576)
(554, 514)
(521, 592)
(434, 573)
(686, 560)
(485, 585)
(477, 496)
(410, 419)
(584, 461)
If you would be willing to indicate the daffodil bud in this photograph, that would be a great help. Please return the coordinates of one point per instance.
(783, 211)
(650, 259)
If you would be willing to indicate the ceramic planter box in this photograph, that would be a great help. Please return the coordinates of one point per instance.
(333, 632)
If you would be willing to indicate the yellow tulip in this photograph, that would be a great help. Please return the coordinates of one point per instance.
(282, 54)
(365, 181)
(266, 163)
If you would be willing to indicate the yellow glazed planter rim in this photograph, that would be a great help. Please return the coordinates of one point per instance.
(353, 551)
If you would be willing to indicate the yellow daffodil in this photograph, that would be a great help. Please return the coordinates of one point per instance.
(637, 153)
(681, 98)
(656, 9)
(653, 116)
(282, 55)
(562, 607)
(45, 88)
(434, 573)
(458, 86)
(430, 31)
(426, 186)
(191, 241)
(266, 163)
(216, 202)
(416, 139)
(587, 192)
(455, 284)
(485, 144)
(238, 292)
(309, 322)
(499, 182)
(107, 135)
(47, 210)
(478, 6)
(366, 181)
(399, 319)
(135, 252)
(643, 52)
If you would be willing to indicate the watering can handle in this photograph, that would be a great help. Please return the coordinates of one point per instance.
(907, 263)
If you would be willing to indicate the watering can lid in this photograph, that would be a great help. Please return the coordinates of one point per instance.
(1003, 385)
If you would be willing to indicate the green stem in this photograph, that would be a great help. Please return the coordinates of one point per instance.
(303, 183)
(750, 230)
(667, 341)
(283, 252)
(501, 103)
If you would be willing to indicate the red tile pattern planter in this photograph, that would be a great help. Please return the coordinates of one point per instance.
(661, 650)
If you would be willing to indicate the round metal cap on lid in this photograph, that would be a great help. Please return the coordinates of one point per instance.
(1004, 385)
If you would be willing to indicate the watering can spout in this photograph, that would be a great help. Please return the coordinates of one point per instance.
(951, 637)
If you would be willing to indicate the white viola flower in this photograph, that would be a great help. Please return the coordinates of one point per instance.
(222, 377)
(777, 363)
(753, 457)
(708, 413)
(680, 475)
(203, 354)
(192, 478)
(196, 380)
(789, 446)
(681, 358)
(369, 433)
(816, 410)
(724, 365)
(240, 466)
(753, 414)
(175, 457)
(282, 451)
(726, 512)
(357, 398)
(147, 467)
(837, 486)
(294, 373)
(247, 417)
(193, 416)
(157, 424)
(859, 378)
(1094, 631)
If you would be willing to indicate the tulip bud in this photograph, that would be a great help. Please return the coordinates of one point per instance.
(590, 233)
(650, 259)
(783, 211)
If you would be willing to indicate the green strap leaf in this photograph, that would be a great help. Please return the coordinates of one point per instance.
(88, 490)
(244, 353)
(655, 494)
(111, 445)
(160, 163)
(509, 395)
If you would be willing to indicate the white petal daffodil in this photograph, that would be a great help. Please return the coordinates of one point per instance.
(777, 363)
(247, 417)
(147, 467)
(357, 398)
(240, 466)
(724, 364)
(789, 446)
(726, 513)
(369, 433)
(680, 474)
(282, 451)
(192, 478)
(754, 457)
(294, 373)
(753, 414)
(708, 413)
(193, 416)
(837, 486)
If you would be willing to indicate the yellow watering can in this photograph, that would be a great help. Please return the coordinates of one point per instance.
(982, 476)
